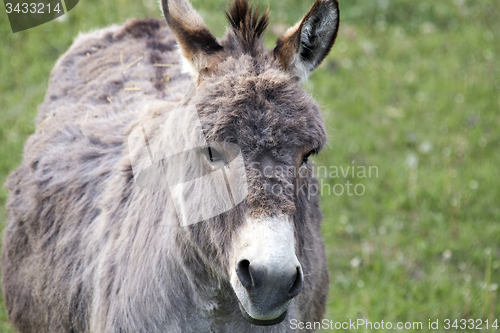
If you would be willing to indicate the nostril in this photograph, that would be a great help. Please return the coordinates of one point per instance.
(243, 273)
(297, 284)
(287, 285)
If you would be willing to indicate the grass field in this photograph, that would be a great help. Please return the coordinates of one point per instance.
(411, 89)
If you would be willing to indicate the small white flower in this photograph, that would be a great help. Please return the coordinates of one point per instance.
(447, 255)
(425, 147)
(412, 161)
(355, 262)
(62, 18)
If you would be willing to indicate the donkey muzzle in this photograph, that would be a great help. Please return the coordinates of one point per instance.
(267, 274)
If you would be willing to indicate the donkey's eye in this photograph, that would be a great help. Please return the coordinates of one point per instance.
(214, 155)
(306, 156)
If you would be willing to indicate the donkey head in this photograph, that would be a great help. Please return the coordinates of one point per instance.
(251, 97)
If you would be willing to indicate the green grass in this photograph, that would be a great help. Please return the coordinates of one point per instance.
(411, 87)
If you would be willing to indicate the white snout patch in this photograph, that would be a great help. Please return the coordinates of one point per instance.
(270, 242)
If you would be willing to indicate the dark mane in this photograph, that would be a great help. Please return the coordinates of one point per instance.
(246, 23)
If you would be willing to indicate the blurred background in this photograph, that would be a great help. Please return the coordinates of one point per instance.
(411, 89)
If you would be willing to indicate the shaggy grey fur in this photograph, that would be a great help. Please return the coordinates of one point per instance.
(86, 250)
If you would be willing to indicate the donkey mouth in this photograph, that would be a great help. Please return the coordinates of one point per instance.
(261, 322)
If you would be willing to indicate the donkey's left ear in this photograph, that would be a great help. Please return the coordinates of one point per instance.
(302, 48)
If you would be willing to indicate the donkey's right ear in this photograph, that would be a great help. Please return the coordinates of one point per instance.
(195, 41)
(302, 48)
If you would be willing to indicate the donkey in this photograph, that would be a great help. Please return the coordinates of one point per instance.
(95, 240)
